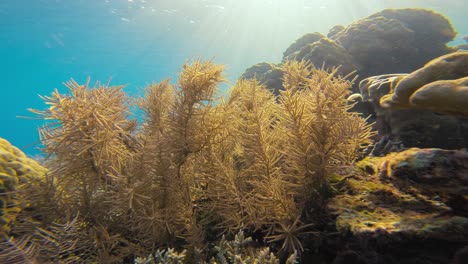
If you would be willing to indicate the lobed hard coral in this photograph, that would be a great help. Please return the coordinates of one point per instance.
(438, 86)
(425, 108)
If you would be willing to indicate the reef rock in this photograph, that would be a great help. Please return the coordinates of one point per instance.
(407, 204)
(15, 170)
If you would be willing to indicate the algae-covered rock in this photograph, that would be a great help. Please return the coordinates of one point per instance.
(442, 171)
(407, 202)
(409, 193)
(15, 169)
(370, 41)
(390, 41)
(429, 26)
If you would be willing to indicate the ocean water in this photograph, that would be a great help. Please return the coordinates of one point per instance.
(134, 42)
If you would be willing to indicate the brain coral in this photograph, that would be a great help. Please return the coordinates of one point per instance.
(15, 170)
(396, 40)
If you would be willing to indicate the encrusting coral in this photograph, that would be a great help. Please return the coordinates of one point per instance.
(198, 167)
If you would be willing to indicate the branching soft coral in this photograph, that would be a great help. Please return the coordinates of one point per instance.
(255, 162)
(324, 137)
(88, 136)
(179, 126)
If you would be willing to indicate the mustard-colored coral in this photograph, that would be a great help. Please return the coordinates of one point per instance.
(439, 86)
(15, 169)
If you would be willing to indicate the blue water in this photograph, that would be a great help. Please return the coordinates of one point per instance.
(46, 42)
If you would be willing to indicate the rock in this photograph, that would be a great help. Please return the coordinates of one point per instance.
(15, 170)
(349, 257)
(434, 169)
(416, 185)
(425, 128)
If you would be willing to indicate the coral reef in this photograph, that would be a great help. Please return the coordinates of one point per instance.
(267, 174)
